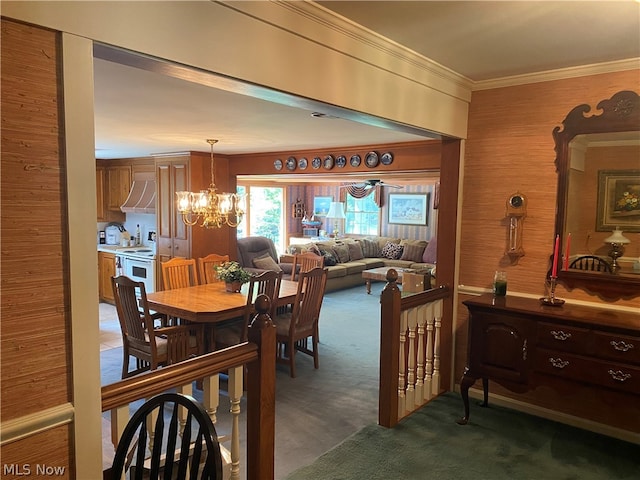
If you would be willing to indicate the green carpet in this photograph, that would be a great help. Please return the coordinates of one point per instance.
(498, 443)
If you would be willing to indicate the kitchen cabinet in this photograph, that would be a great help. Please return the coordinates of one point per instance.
(191, 172)
(113, 184)
(106, 270)
(589, 356)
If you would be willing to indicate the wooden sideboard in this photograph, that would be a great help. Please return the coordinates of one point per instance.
(521, 344)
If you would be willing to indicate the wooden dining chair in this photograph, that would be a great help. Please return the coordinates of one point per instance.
(591, 263)
(303, 262)
(237, 331)
(179, 273)
(151, 347)
(294, 329)
(177, 447)
(207, 267)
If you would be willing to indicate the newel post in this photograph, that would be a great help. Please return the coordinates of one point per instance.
(390, 300)
(261, 395)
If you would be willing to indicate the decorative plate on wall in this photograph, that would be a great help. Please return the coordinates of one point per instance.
(291, 163)
(355, 160)
(316, 162)
(387, 158)
(341, 161)
(371, 160)
(328, 162)
(278, 164)
(302, 163)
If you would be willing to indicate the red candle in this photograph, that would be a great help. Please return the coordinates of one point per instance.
(554, 270)
(566, 253)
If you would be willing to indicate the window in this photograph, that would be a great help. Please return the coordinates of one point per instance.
(265, 214)
(362, 215)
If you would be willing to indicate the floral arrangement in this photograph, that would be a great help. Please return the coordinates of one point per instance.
(628, 201)
(230, 272)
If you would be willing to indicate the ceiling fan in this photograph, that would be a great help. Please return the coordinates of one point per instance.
(368, 184)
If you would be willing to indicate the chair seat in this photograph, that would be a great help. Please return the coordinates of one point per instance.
(282, 323)
(230, 333)
(161, 344)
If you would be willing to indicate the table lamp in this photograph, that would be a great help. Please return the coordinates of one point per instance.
(617, 240)
(336, 212)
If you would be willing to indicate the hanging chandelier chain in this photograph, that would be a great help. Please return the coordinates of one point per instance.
(212, 142)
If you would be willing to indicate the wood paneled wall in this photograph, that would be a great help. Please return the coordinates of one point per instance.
(35, 319)
(510, 148)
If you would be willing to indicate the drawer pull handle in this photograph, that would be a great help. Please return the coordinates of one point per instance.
(619, 375)
(621, 346)
(558, 362)
(560, 335)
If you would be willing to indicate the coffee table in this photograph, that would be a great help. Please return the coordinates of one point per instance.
(379, 273)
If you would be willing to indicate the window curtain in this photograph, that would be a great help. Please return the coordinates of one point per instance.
(356, 191)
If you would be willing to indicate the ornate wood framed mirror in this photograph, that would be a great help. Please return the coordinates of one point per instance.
(613, 119)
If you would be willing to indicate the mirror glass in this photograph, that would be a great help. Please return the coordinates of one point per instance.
(599, 193)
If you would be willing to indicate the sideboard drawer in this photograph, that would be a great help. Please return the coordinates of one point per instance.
(565, 338)
(589, 370)
(617, 347)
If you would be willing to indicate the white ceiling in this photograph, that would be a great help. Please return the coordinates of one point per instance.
(140, 112)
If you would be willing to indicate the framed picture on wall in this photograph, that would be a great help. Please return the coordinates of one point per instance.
(321, 206)
(618, 200)
(409, 208)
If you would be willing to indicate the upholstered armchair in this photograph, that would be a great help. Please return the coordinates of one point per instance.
(258, 254)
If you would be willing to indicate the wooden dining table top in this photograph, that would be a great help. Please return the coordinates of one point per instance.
(210, 303)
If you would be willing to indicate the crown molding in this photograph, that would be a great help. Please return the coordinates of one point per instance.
(559, 74)
(349, 30)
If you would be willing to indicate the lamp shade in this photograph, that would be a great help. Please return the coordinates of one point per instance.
(617, 237)
(336, 210)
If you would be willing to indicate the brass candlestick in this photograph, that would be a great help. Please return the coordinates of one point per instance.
(550, 298)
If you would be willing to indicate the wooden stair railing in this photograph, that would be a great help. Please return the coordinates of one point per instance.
(409, 349)
(258, 355)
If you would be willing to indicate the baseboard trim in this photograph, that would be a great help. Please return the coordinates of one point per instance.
(556, 416)
(22, 427)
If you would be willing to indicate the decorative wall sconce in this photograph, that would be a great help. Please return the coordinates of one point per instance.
(516, 211)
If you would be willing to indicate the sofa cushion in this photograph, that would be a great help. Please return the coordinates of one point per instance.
(341, 251)
(267, 263)
(382, 241)
(329, 257)
(370, 247)
(354, 267)
(430, 253)
(336, 271)
(371, 262)
(412, 250)
(355, 250)
(391, 250)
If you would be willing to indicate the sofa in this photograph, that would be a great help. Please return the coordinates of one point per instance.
(346, 258)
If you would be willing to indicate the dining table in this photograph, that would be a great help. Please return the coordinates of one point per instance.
(210, 303)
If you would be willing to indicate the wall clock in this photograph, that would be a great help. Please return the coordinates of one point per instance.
(516, 211)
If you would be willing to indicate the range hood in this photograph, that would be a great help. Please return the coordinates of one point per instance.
(142, 197)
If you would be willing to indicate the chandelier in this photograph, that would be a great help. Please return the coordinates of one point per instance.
(212, 209)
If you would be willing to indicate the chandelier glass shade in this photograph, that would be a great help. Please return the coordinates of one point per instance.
(211, 209)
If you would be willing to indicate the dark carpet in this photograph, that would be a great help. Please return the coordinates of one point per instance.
(499, 444)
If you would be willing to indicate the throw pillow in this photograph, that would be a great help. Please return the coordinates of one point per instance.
(266, 262)
(329, 258)
(355, 251)
(430, 253)
(412, 252)
(392, 251)
(342, 252)
(369, 247)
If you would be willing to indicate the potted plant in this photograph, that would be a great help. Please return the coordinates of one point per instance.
(233, 275)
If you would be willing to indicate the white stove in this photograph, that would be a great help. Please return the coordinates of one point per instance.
(138, 263)
(143, 252)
